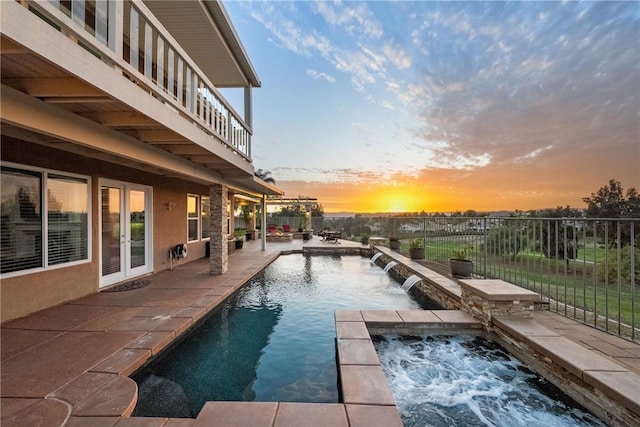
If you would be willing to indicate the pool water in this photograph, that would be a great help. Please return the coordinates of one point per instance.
(274, 341)
(469, 381)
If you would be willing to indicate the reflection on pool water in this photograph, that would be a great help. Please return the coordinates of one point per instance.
(275, 341)
(469, 381)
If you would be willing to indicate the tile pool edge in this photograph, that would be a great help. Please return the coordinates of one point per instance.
(360, 375)
(606, 389)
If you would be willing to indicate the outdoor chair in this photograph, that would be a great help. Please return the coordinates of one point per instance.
(286, 228)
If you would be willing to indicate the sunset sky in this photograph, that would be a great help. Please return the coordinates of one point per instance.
(386, 106)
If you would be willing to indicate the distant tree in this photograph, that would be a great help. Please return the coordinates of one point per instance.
(317, 210)
(559, 212)
(264, 175)
(555, 238)
(611, 202)
(507, 240)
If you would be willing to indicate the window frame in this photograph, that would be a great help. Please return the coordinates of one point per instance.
(44, 218)
(195, 218)
(200, 216)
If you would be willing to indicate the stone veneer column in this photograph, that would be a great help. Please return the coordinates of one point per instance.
(219, 254)
(485, 298)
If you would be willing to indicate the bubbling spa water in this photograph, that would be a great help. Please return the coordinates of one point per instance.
(468, 381)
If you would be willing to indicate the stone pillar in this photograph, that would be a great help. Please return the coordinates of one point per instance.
(219, 254)
(485, 298)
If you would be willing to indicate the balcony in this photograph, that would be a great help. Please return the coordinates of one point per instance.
(112, 68)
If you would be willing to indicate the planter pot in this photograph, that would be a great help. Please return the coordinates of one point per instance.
(416, 253)
(461, 268)
(251, 235)
(239, 243)
(394, 245)
(306, 235)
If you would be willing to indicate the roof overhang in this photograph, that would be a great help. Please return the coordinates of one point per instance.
(205, 32)
(254, 187)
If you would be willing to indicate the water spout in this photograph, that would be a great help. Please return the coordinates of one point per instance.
(390, 266)
(411, 280)
(375, 257)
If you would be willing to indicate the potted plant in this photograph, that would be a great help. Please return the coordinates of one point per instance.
(394, 242)
(364, 238)
(416, 249)
(239, 234)
(460, 264)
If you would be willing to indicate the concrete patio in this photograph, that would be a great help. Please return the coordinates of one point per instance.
(69, 365)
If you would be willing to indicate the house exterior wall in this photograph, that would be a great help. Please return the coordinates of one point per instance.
(29, 292)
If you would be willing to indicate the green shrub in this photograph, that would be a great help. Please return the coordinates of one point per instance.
(609, 268)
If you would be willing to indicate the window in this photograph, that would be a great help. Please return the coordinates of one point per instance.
(193, 218)
(67, 238)
(23, 227)
(198, 217)
(206, 218)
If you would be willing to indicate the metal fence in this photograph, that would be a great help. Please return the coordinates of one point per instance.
(584, 269)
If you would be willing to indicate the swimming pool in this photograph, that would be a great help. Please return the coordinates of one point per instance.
(274, 340)
(469, 381)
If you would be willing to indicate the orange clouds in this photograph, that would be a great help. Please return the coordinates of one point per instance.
(500, 187)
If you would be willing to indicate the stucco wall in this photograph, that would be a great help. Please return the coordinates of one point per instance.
(25, 294)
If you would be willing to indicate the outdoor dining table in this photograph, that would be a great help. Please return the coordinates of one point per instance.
(331, 236)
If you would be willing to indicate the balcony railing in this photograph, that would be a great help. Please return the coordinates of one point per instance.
(585, 269)
(125, 34)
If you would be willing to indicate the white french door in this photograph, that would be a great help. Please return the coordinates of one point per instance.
(125, 231)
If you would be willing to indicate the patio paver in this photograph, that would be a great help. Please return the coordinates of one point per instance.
(219, 414)
(311, 415)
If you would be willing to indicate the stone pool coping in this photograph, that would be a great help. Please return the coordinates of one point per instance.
(69, 365)
(363, 381)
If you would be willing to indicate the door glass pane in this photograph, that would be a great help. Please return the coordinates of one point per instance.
(111, 230)
(137, 227)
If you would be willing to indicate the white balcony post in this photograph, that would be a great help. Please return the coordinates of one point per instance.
(229, 129)
(101, 19)
(116, 27)
(77, 11)
(248, 107)
(248, 116)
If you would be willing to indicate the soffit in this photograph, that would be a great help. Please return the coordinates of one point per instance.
(204, 31)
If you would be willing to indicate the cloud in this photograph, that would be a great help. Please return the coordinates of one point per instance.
(504, 93)
(397, 55)
(354, 18)
(320, 76)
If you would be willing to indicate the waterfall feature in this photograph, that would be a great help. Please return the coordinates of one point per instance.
(411, 280)
(390, 266)
(375, 257)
